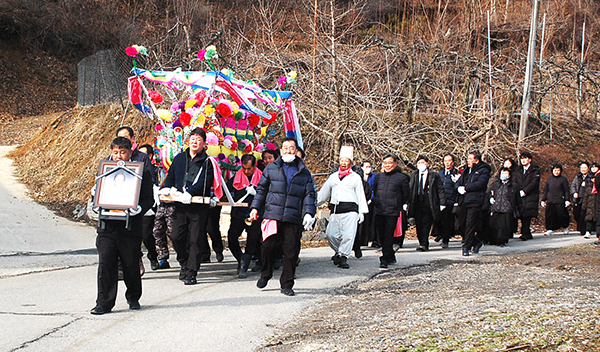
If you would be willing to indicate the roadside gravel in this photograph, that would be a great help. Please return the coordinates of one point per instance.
(544, 301)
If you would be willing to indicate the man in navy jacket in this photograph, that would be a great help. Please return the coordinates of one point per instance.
(286, 197)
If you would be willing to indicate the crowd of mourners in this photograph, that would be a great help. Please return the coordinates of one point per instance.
(276, 200)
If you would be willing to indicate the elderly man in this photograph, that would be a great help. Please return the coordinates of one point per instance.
(348, 206)
(286, 195)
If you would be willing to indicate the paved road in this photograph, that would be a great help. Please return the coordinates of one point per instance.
(48, 273)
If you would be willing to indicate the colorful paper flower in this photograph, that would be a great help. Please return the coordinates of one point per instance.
(156, 97)
(136, 50)
(185, 119)
(268, 121)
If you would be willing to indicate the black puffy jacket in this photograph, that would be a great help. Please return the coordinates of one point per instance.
(280, 202)
(475, 180)
(390, 192)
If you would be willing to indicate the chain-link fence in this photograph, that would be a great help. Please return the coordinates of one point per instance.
(102, 78)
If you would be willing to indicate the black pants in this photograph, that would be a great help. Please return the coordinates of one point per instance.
(189, 222)
(253, 235)
(213, 230)
(423, 223)
(148, 237)
(386, 225)
(112, 246)
(286, 241)
(445, 223)
(473, 216)
(526, 227)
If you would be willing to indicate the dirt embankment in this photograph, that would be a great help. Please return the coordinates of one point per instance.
(59, 163)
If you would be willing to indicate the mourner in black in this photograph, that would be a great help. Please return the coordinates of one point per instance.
(243, 188)
(504, 209)
(445, 227)
(390, 196)
(472, 186)
(427, 200)
(556, 201)
(286, 197)
(191, 173)
(117, 240)
(527, 178)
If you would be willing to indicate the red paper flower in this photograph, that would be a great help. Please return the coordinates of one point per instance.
(268, 121)
(200, 96)
(131, 51)
(224, 110)
(253, 120)
(156, 97)
(185, 119)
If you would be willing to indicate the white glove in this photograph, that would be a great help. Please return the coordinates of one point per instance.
(361, 218)
(164, 191)
(155, 191)
(575, 195)
(405, 207)
(186, 198)
(308, 222)
(250, 190)
(135, 211)
(369, 202)
(522, 193)
(462, 190)
(213, 202)
(492, 201)
(93, 191)
(567, 203)
(543, 204)
(455, 178)
(442, 207)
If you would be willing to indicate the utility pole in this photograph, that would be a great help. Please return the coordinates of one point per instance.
(529, 71)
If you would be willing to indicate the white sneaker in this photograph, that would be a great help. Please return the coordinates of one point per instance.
(588, 235)
(548, 233)
(566, 231)
(396, 247)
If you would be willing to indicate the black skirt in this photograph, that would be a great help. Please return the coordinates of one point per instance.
(557, 216)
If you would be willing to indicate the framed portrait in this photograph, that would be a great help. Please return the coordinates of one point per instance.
(118, 184)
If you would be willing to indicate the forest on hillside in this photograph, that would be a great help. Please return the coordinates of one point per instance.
(411, 76)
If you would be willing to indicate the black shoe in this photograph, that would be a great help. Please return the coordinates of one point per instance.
(375, 245)
(288, 291)
(99, 310)
(277, 264)
(422, 249)
(358, 253)
(154, 264)
(438, 238)
(525, 238)
(477, 247)
(219, 257)
(383, 265)
(182, 273)
(444, 244)
(336, 259)
(163, 264)
(465, 252)
(343, 263)
(262, 283)
(135, 305)
(190, 280)
(257, 267)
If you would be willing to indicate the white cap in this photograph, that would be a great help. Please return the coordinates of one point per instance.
(347, 152)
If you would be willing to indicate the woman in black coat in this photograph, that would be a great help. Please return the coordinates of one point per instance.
(556, 201)
(504, 209)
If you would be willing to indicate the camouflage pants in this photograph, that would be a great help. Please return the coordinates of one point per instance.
(163, 226)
